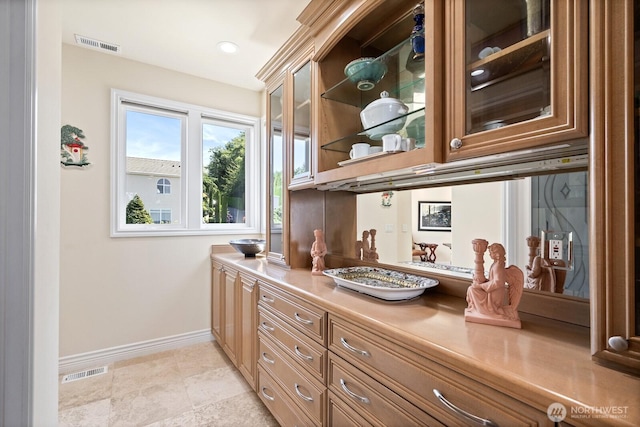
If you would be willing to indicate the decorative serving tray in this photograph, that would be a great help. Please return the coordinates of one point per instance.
(381, 283)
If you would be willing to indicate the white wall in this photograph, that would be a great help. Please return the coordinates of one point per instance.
(119, 291)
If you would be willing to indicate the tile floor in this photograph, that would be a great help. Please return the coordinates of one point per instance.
(191, 386)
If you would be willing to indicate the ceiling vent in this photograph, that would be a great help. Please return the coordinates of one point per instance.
(97, 44)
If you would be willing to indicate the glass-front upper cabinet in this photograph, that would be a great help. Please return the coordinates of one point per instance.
(518, 74)
(301, 148)
(276, 204)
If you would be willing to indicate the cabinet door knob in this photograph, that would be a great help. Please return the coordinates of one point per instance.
(463, 413)
(618, 343)
(455, 143)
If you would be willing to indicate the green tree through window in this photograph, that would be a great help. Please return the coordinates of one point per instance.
(136, 213)
(224, 183)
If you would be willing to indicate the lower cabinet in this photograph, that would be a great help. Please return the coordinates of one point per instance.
(311, 367)
(375, 376)
(234, 317)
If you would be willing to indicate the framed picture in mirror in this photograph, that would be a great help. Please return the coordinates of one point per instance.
(434, 216)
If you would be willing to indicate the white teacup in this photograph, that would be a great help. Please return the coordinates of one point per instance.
(360, 149)
(391, 142)
(408, 144)
(376, 149)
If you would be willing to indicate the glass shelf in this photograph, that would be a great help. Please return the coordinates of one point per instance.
(404, 78)
(413, 127)
(518, 58)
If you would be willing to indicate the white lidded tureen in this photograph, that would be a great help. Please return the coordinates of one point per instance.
(378, 117)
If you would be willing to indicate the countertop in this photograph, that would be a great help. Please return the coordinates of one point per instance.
(546, 361)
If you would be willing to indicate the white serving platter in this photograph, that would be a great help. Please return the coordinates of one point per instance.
(381, 283)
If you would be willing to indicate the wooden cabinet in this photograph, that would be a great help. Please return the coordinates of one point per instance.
(217, 298)
(529, 91)
(292, 351)
(392, 385)
(614, 183)
(229, 312)
(247, 328)
(517, 79)
(234, 317)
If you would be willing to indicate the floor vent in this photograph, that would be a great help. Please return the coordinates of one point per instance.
(97, 44)
(84, 374)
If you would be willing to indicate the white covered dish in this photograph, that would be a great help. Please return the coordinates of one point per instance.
(383, 110)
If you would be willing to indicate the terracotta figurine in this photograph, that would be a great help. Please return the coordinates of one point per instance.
(373, 254)
(494, 301)
(318, 251)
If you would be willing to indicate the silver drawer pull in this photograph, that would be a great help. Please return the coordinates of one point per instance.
(353, 349)
(305, 397)
(266, 396)
(301, 320)
(267, 299)
(362, 399)
(267, 327)
(299, 353)
(266, 359)
(463, 413)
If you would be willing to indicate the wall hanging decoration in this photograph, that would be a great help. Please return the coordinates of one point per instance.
(72, 149)
(434, 216)
(386, 198)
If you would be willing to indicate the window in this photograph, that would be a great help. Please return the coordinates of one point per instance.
(164, 186)
(194, 170)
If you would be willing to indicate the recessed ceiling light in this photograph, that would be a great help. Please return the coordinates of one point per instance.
(228, 47)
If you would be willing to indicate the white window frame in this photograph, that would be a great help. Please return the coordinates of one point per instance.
(191, 182)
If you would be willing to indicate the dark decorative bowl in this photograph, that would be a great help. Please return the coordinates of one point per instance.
(248, 247)
(365, 72)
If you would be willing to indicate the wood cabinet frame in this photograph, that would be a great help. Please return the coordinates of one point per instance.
(612, 230)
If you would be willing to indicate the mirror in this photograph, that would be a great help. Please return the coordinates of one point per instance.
(301, 122)
(276, 169)
(432, 228)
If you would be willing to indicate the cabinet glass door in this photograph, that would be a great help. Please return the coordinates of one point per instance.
(301, 153)
(517, 73)
(276, 201)
(508, 62)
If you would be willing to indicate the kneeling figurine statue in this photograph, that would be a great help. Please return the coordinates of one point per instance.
(494, 301)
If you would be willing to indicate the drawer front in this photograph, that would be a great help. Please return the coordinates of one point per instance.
(277, 401)
(308, 353)
(415, 378)
(340, 414)
(372, 400)
(308, 393)
(301, 315)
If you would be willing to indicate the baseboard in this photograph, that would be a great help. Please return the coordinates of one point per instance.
(78, 362)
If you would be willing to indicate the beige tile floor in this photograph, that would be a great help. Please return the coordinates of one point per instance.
(191, 386)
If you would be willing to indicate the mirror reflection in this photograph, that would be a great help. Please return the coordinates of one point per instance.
(541, 221)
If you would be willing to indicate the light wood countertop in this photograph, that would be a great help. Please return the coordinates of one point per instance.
(546, 361)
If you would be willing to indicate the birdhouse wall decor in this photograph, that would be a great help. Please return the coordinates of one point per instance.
(72, 148)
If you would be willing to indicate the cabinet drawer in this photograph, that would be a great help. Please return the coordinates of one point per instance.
(308, 393)
(277, 401)
(415, 378)
(340, 414)
(372, 400)
(308, 353)
(301, 315)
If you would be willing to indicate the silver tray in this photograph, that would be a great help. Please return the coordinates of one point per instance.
(381, 283)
